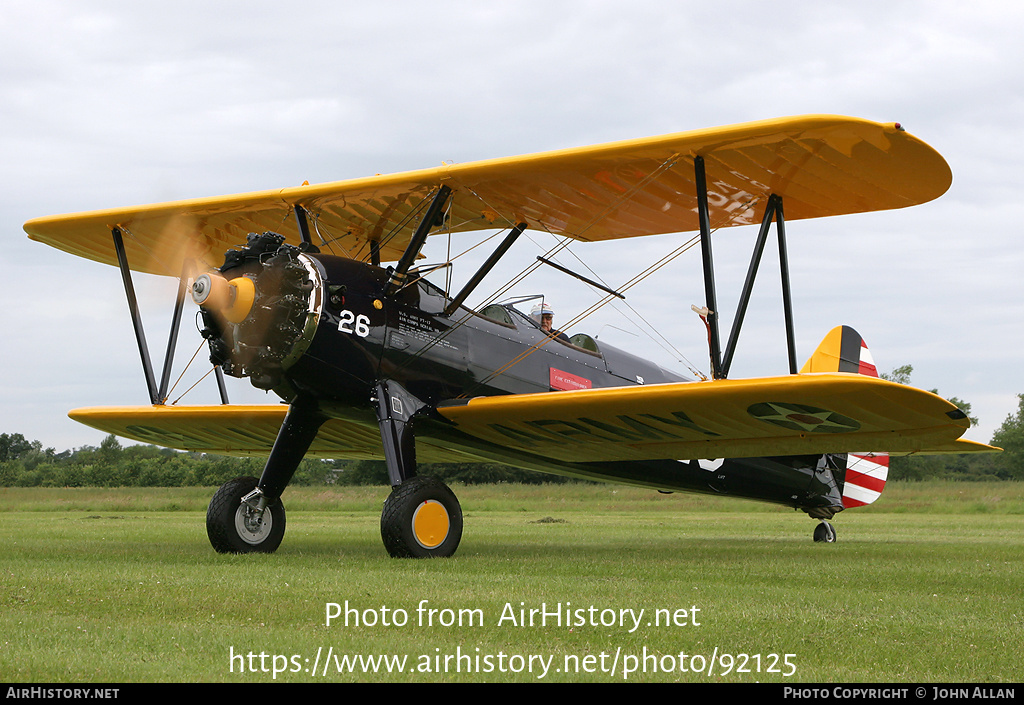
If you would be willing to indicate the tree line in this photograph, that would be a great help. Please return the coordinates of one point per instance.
(1008, 465)
(25, 463)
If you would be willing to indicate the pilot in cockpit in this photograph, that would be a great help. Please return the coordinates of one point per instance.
(544, 316)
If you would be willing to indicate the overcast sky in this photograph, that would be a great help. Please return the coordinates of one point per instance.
(107, 104)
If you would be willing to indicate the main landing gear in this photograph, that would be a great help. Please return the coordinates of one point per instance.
(420, 519)
(236, 523)
(246, 515)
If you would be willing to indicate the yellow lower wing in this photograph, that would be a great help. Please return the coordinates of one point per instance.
(227, 429)
(245, 430)
(230, 429)
(792, 415)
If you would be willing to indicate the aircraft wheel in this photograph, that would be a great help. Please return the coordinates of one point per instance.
(421, 519)
(234, 527)
(825, 533)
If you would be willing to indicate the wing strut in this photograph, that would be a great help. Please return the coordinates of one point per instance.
(172, 338)
(418, 239)
(773, 211)
(303, 223)
(157, 394)
(709, 267)
(133, 308)
(787, 296)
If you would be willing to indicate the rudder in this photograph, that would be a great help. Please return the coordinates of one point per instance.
(844, 350)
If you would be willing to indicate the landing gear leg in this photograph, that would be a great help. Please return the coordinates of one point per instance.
(246, 515)
(824, 533)
(422, 517)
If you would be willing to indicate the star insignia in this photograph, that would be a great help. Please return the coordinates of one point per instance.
(798, 417)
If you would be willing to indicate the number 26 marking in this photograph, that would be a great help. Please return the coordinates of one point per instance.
(361, 323)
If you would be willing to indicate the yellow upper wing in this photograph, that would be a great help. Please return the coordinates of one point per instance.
(821, 165)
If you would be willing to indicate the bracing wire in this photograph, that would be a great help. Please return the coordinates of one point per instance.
(187, 365)
(562, 244)
(208, 372)
(621, 289)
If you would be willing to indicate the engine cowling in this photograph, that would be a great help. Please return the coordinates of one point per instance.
(260, 309)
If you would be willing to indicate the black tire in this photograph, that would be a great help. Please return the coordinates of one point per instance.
(825, 533)
(421, 519)
(231, 526)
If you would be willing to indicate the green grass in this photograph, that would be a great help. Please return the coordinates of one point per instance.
(108, 585)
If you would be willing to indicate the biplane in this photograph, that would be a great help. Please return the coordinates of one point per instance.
(314, 293)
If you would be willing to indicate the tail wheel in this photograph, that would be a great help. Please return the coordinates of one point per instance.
(825, 533)
(421, 519)
(235, 527)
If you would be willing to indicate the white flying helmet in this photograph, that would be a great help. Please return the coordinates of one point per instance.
(539, 310)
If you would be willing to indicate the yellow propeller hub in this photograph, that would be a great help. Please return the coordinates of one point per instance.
(232, 299)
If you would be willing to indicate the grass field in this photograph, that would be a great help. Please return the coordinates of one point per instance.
(121, 586)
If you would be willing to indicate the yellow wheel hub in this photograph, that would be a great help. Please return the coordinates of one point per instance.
(430, 524)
